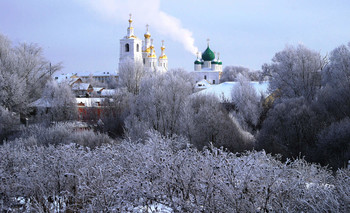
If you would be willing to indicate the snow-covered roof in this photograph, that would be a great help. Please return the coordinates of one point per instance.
(81, 86)
(40, 103)
(207, 69)
(203, 84)
(98, 89)
(90, 102)
(95, 74)
(108, 92)
(223, 90)
(68, 78)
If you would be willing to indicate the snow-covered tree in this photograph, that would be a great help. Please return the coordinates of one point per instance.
(290, 129)
(159, 104)
(57, 103)
(295, 72)
(231, 73)
(163, 173)
(204, 121)
(23, 73)
(247, 104)
(130, 76)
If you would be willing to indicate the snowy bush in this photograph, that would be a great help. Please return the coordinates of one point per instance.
(165, 172)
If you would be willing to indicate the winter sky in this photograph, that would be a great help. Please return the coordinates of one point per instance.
(84, 34)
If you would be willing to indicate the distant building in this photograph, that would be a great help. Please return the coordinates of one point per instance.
(102, 77)
(134, 50)
(208, 67)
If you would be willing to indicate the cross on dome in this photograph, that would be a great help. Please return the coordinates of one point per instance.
(208, 40)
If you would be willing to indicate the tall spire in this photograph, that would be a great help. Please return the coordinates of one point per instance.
(152, 53)
(208, 41)
(162, 56)
(130, 28)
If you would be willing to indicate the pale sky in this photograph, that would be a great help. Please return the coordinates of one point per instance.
(84, 34)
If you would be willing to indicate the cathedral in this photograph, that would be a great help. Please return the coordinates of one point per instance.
(136, 51)
(208, 68)
(133, 50)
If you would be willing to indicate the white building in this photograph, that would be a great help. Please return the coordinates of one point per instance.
(208, 67)
(134, 50)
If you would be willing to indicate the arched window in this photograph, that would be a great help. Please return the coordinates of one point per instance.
(126, 47)
(137, 48)
(205, 77)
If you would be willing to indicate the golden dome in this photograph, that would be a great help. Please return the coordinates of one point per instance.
(147, 35)
(163, 57)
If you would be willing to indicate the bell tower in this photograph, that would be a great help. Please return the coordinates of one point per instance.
(130, 48)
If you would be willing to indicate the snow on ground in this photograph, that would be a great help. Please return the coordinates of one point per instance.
(223, 90)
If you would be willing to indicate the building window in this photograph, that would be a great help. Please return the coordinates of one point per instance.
(137, 48)
(213, 81)
(127, 49)
(144, 61)
(205, 77)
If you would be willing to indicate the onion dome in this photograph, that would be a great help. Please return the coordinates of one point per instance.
(147, 34)
(198, 61)
(208, 55)
(152, 51)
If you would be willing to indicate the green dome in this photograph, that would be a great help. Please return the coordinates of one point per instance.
(208, 55)
(214, 62)
(197, 61)
(220, 62)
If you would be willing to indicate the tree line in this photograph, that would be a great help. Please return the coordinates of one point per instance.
(159, 143)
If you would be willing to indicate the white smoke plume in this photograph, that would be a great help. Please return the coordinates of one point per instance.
(145, 12)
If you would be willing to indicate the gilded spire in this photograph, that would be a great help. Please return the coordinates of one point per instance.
(163, 56)
(152, 53)
(130, 29)
(130, 19)
(147, 34)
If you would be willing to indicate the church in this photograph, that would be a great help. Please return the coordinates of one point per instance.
(136, 51)
(208, 69)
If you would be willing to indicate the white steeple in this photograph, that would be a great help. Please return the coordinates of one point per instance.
(130, 48)
(163, 59)
(130, 31)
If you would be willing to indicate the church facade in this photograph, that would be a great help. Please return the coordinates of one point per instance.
(133, 50)
(209, 67)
